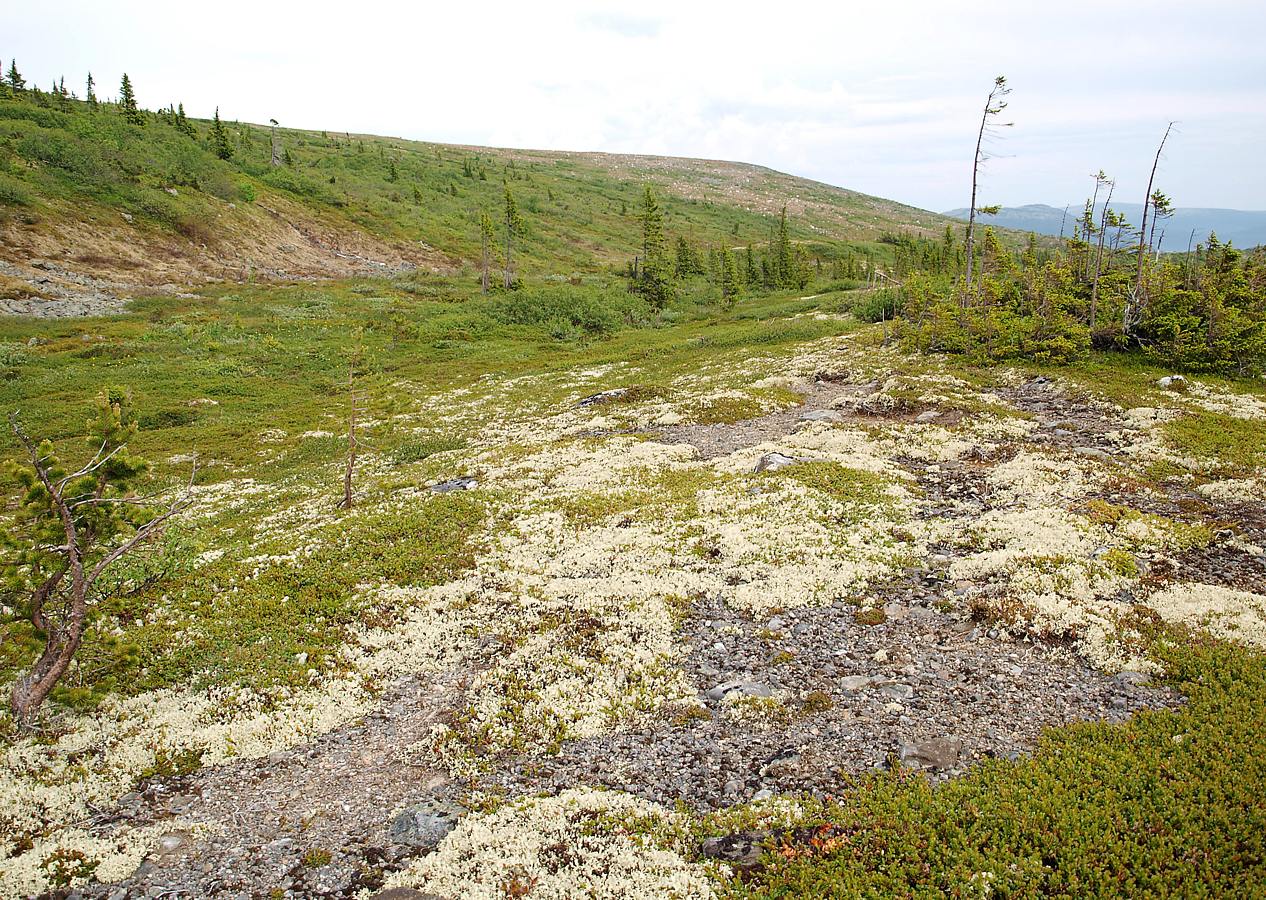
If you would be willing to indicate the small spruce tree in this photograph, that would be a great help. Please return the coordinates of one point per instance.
(220, 142)
(127, 103)
(513, 225)
(17, 83)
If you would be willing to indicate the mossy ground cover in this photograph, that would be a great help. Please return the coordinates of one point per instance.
(253, 380)
(1167, 805)
(1163, 805)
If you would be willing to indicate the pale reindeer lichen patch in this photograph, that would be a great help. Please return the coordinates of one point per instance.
(580, 843)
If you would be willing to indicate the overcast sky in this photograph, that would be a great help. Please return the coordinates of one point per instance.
(879, 97)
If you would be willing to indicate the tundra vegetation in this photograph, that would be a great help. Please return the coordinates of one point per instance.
(531, 488)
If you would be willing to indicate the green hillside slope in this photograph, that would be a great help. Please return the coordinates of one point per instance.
(153, 203)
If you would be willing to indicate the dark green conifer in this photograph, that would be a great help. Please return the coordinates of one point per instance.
(220, 142)
(17, 83)
(127, 103)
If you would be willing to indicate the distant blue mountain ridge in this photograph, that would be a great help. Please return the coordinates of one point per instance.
(1243, 228)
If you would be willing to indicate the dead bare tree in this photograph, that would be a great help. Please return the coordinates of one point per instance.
(70, 528)
(1100, 180)
(276, 161)
(994, 104)
(1134, 304)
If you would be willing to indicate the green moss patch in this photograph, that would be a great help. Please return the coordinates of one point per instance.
(1167, 805)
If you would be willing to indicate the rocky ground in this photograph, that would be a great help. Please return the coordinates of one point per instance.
(790, 700)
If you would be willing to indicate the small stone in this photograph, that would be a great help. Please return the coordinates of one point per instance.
(1092, 453)
(772, 462)
(603, 397)
(1130, 678)
(464, 483)
(898, 691)
(742, 850)
(169, 842)
(938, 753)
(762, 794)
(928, 416)
(785, 763)
(747, 688)
(822, 415)
(424, 824)
(853, 683)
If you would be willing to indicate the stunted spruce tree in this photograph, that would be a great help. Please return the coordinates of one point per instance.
(513, 223)
(127, 103)
(70, 526)
(653, 279)
(486, 235)
(221, 144)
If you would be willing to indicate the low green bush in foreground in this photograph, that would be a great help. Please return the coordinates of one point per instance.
(1169, 804)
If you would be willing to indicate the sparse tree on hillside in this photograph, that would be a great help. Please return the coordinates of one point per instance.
(1102, 228)
(354, 402)
(183, 123)
(729, 278)
(486, 234)
(1162, 208)
(276, 160)
(780, 253)
(653, 280)
(994, 104)
(91, 96)
(687, 262)
(513, 224)
(127, 103)
(70, 527)
(751, 275)
(1138, 299)
(16, 82)
(221, 144)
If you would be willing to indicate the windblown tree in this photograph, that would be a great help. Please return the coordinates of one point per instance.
(1138, 300)
(1162, 208)
(91, 96)
(69, 528)
(994, 104)
(276, 160)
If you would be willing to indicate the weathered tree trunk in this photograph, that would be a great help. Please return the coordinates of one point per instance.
(1134, 307)
(1103, 227)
